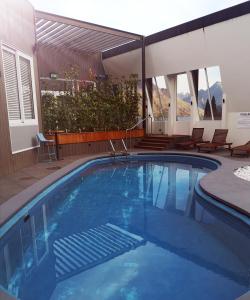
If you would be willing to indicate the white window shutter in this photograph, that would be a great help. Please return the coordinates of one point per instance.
(11, 83)
(27, 89)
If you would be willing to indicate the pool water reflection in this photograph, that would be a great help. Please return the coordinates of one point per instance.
(127, 230)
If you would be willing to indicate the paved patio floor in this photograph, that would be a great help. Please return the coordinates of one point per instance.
(15, 183)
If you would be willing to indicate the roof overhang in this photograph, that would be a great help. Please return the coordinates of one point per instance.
(57, 31)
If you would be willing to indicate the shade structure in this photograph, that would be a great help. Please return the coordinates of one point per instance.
(58, 31)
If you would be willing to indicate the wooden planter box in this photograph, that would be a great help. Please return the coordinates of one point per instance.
(85, 137)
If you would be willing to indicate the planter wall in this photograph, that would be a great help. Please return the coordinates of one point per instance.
(86, 137)
(93, 142)
(91, 147)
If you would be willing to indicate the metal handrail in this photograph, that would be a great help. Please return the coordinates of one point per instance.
(113, 148)
(124, 146)
(138, 123)
(134, 126)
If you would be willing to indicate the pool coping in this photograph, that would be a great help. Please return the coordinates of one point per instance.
(226, 193)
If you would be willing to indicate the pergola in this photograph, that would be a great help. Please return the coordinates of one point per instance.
(54, 30)
(58, 31)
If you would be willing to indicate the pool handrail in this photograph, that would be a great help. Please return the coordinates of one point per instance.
(134, 126)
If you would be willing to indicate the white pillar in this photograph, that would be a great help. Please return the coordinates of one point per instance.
(171, 85)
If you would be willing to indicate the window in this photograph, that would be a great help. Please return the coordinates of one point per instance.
(11, 84)
(215, 91)
(19, 87)
(183, 105)
(26, 83)
(160, 98)
(210, 93)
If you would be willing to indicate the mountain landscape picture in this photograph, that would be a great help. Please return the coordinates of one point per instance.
(160, 112)
(184, 103)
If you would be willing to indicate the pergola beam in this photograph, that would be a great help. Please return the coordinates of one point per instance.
(55, 34)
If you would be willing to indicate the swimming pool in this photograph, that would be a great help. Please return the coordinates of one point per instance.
(131, 229)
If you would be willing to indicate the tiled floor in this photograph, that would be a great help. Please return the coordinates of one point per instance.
(13, 184)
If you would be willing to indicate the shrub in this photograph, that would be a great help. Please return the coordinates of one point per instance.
(106, 104)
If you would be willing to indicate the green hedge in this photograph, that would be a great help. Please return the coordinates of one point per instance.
(105, 105)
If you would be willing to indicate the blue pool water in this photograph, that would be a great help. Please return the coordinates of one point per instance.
(127, 230)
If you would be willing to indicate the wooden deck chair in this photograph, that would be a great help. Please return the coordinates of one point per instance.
(195, 138)
(241, 150)
(219, 140)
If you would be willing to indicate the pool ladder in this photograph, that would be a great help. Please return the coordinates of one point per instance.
(123, 152)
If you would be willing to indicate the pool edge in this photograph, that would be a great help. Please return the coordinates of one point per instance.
(12, 206)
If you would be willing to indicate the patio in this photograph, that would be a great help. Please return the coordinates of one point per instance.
(15, 183)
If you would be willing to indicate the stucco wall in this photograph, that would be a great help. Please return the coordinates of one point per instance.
(226, 44)
(124, 64)
(60, 60)
(17, 31)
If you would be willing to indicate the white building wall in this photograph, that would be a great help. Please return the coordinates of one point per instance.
(226, 44)
(124, 64)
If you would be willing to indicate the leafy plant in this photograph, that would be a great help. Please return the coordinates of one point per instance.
(99, 105)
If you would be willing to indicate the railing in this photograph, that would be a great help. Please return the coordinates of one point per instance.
(112, 146)
(128, 130)
(114, 151)
(124, 146)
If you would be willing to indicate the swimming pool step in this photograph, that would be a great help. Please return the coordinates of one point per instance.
(81, 251)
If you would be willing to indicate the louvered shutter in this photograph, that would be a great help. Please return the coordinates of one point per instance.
(11, 84)
(27, 90)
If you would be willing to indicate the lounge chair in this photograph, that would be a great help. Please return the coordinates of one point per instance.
(195, 138)
(241, 150)
(219, 140)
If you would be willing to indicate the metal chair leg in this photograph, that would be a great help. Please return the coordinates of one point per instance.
(54, 151)
(38, 152)
(49, 152)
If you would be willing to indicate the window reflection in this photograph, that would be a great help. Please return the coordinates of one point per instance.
(182, 189)
(160, 186)
(169, 187)
(23, 251)
(3, 273)
(40, 232)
